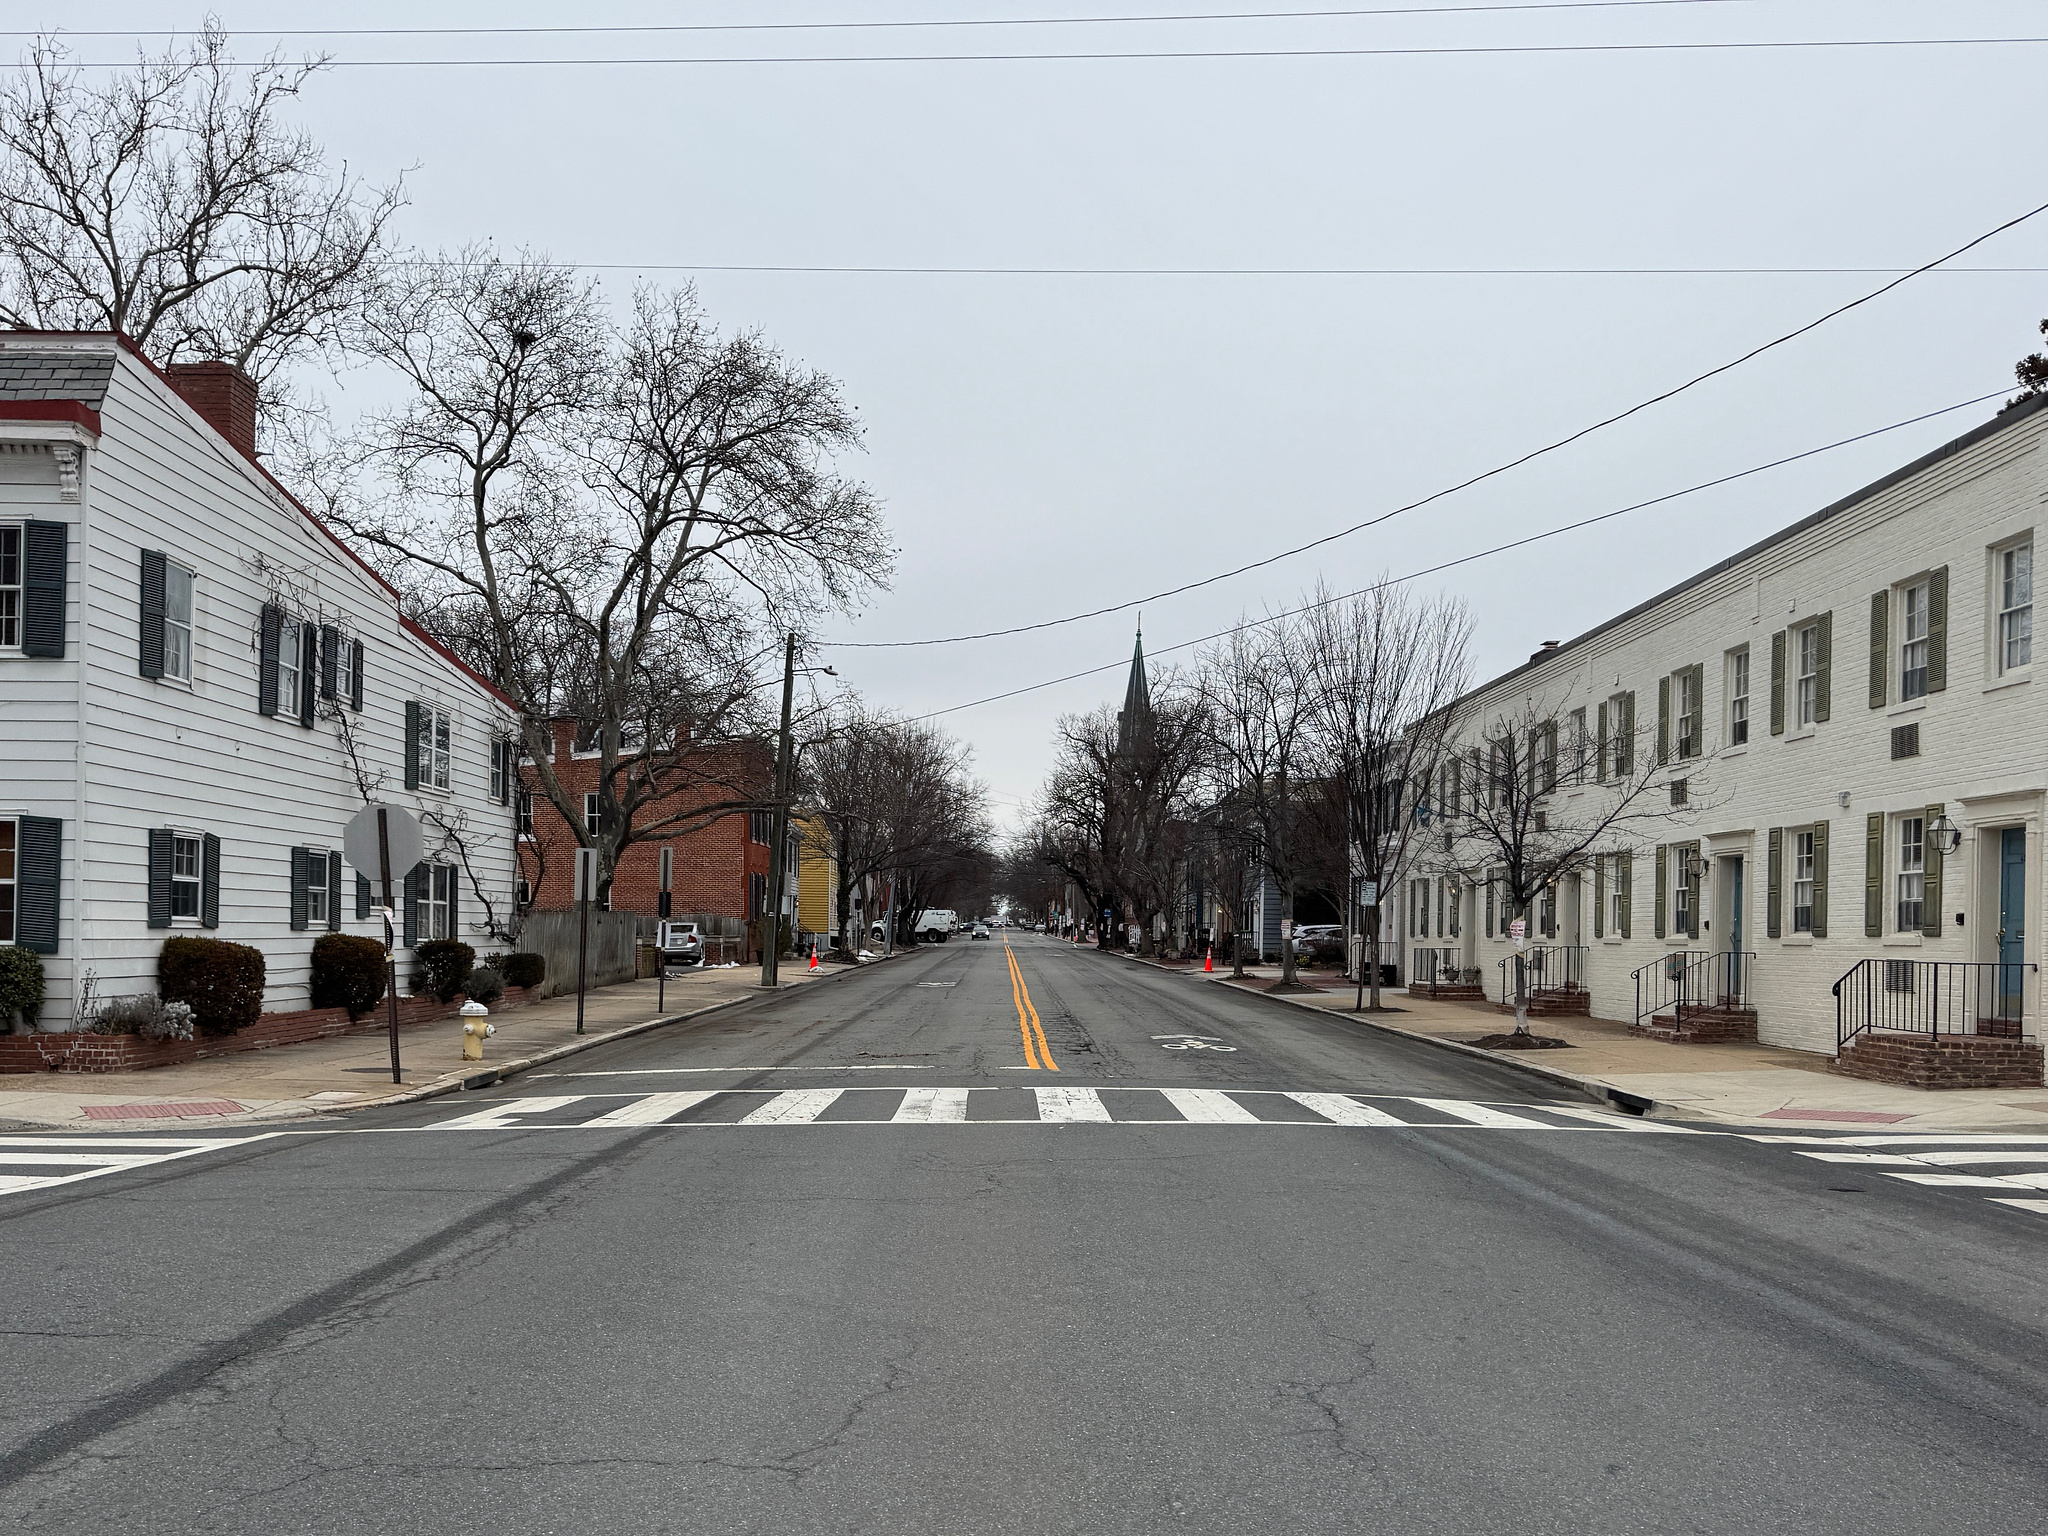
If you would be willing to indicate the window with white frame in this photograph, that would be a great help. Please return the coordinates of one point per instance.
(593, 812)
(525, 812)
(1686, 685)
(1546, 758)
(1913, 641)
(10, 587)
(290, 666)
(178, 623)
(437, 732)
(187, 873)
(1681, 893)
(1578, 746)
(1912, 876)
(1738, 697)
(344, 669)
(317, 865)
(436, 909)
(10, 837)
(1807, 694)
(2015, 607)
(1617, 898)
(1802, 881)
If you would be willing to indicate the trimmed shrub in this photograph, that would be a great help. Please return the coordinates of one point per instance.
(486, 986)
(21, 984)
(221, 983)
(524, 969)
(444, 967)
(143, 1014)
(348, 972)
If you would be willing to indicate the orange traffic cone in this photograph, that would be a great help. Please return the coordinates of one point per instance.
(1209, 959)
(814, 957)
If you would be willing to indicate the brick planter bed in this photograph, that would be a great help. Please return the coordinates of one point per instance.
(82, 1052)
(1942, 1061)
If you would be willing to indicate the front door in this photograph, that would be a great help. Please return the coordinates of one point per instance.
(1733, 982)
(2012, 919)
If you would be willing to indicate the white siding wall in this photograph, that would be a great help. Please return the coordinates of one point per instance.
(161, 753)
(1983, 740)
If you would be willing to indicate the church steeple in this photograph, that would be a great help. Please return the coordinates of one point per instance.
(1136, 715)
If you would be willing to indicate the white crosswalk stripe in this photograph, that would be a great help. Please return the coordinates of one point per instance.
(931, 1106)
(798, 1106)
(1482, 1114)
(1337, 1108)
(1070, 1104)
(655, 1108)
(1208, 1106)
(45, 1162)
(1922, 1158)
(502, 1117)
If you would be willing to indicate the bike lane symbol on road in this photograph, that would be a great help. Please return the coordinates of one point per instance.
(1191, 1043)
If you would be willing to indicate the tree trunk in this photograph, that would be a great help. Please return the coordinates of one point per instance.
(1522, 980)
(1287, 972)
(1237, 951)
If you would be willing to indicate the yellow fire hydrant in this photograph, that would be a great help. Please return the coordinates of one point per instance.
(475, 1026)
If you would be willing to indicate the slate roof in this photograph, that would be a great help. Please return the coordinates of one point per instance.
(80, 376)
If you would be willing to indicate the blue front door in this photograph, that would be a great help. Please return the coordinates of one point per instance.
(2012, 918)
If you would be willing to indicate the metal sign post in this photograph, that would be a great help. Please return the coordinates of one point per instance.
(586, 888)
(385, 837)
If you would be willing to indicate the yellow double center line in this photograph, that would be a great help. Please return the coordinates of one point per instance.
(1037, 1054)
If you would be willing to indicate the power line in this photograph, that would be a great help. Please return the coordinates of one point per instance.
(878, 271)
(1498, 549)
(1465, 484)
(910, 25)
(1189, 54)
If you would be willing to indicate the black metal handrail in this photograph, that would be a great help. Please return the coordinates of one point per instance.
(1554, 969)
(1693, 978)
(1931, 997)
(1433, 966)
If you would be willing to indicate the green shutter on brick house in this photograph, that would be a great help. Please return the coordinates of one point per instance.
(1820, 879)
(1774, 904)
(1930, 893)
(1937, 630)
(1880, 658)
(1873, 876)
(1778, 683)
(1824, 666)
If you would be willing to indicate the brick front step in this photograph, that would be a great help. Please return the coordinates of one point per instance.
(1552, 1005)
(129, 1053)
(1700, 1026)
(1942, 1061)
(1455, 994)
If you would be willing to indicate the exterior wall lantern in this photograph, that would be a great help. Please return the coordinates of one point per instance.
(1946, 835)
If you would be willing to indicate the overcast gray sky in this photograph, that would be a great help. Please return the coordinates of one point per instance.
(1049, 443)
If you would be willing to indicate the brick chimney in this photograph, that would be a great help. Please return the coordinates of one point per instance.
(224, 396)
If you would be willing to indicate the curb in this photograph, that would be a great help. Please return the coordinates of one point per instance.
(1593, 1088)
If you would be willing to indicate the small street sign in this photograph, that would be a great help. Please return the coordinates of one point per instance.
(1518, 930)
(1368, 893)
(586, 875)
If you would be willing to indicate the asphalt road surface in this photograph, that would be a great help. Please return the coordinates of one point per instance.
(994, 1239)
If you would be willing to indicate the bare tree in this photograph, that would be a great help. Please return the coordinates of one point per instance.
(1259, 712)
(1383, 670)
(173, 203)
(609, 522)
(1509, 826)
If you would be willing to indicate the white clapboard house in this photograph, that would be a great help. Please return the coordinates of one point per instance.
(1850, 769)
(199, 685)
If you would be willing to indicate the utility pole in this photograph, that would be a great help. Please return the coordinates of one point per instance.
(771, 951)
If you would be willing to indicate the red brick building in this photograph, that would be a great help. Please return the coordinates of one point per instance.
(721, 868)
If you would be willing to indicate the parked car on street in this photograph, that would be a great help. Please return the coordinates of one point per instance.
(1038, 928)
(935, 926)
(980, 931)
(681, 944)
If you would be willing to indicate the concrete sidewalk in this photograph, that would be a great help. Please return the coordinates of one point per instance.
(354, 1071)
(1758, 1085)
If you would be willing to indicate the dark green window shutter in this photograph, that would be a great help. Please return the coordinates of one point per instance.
(412, 905)
(1937, 630)
(1820, 879)
(1599, 898)
(302, 877)
(1778, 683)
(454, 898)
(1880, 657)
(309, 671)
(43, 560)
(333, 891)
(209, 893)
(1774, 922)
(1657, 907)
(266, 660)
(1663, 724)
(1824, 665)
(330, 660)
(1600, 766)
(150, 658)
(413, 727)
(1693, 867)
(355, 676)
(38, 879)
(160, 877)
(362, 896)
(1624, 873)
(1931, 902)
(1699, 704)
(1873, 876)
(1628, 732)
(1489, 906)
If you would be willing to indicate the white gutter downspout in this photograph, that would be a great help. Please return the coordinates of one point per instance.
(78, 803)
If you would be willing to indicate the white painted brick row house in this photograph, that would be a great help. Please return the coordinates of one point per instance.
(199, 686)
(1828, 696)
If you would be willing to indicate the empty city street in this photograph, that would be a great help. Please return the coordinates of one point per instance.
(1020, 1237)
